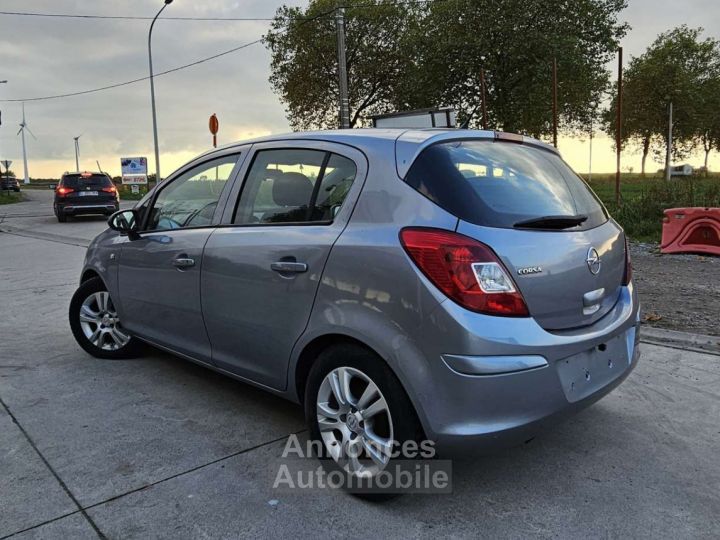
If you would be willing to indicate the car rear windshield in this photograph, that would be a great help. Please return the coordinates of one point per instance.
(503, 184)
(75, 181)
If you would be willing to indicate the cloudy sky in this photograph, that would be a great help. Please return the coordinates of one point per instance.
(48, 56)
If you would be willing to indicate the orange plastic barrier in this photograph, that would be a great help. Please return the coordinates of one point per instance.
(691, 230)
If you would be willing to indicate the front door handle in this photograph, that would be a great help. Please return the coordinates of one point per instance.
(289, 266)
(183, 262)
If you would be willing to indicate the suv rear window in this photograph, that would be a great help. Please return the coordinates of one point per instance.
(75, 181)
(500, 184)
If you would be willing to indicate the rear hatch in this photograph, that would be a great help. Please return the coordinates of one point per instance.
(566, 256)
(88, 189)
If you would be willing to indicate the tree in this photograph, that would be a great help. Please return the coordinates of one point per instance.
(304, 62)
(708, 116)
(675, 68)
(405, 55)
(515, 42)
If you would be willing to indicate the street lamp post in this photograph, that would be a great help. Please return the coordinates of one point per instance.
(152, 92)
(1, 82)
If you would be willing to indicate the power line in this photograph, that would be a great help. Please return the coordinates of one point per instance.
(206, 19)
(125, 83)
(191, 64)
(178, 68)
(127, 17)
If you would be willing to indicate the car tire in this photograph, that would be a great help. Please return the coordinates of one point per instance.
(61, 216)
(95, 325)
(360, 364)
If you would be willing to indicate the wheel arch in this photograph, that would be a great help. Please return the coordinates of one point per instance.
(318, 344)
(88, 274)
(312, 350)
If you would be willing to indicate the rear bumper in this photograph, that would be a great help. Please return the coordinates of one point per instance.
(94, 208)
(508, 379)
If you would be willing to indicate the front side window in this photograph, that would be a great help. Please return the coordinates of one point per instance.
(294, 186)
(191, 199)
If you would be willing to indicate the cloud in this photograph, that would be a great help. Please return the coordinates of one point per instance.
(41, 56)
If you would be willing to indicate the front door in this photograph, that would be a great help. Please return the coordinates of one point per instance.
(159, 272)
(262, 269)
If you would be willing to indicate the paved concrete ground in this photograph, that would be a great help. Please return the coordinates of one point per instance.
(160, 448)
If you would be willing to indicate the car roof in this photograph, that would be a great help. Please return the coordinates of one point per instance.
(408, 142)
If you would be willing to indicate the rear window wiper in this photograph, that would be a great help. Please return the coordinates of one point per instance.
(551, 222)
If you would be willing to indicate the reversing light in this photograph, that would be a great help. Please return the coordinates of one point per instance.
(465, 270)
(492, 278)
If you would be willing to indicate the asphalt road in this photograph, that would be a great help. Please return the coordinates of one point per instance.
(161, 448)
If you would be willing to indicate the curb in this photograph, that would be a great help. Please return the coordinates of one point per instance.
(680, 340)
(48, 237)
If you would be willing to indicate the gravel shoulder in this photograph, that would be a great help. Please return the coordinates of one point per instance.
(677, 292)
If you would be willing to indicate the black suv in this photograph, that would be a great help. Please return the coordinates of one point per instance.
(85, 193)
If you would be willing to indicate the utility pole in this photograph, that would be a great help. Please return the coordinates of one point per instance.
(668, 151)
(618, 126)
(344, 104)
(77, 152)
(554, 98)
(484, 99)
(591, 138)
(593, 106)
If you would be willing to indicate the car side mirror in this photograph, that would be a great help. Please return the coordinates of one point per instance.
(125, 222)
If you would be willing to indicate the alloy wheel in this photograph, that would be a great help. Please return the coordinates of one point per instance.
(100, 323)
(354, 421)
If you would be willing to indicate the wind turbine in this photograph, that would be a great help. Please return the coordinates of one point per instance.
(21, 131)
(77, 152)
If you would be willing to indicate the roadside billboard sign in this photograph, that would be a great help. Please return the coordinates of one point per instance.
(133, 166)
(134, 170)
(134, 179)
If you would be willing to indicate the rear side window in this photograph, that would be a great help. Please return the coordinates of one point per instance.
(79, 181)
(294, 186)
(500, 184)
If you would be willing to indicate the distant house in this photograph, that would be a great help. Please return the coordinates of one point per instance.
(681, 170)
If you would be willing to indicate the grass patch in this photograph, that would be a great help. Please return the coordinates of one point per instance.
(643, 200)
(8, 198)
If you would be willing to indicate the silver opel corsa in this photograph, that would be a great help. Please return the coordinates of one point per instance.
(464, 287)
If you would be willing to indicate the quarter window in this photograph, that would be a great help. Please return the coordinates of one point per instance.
(294, 186)
(190, 200)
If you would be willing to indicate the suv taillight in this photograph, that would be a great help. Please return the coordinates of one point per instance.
(465, 270)
(62, 191)
(109, 189)
(627, 277)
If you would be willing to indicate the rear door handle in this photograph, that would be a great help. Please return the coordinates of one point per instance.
(288, 267)
(183, 262)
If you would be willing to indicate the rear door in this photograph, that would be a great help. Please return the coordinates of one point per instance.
(159, 271)
(564, 253)
(261, 269)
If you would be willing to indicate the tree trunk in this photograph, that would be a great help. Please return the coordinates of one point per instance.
(646, 149)
(707, 153)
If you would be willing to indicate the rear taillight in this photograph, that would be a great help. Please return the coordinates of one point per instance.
(627, 277)
(111, 189)
(62, 191)
(465, 270)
